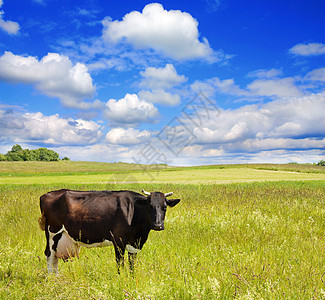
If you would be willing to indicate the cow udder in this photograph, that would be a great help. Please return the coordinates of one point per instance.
(67, 247)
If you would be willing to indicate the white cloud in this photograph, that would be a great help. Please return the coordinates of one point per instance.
(173, 33)
(211, 86)
(108, 64)
(205, 87)
(265, 73)
(128, 136)
(54, 75)
(270, 87)
(198, 151)
(316, 75)
(287, 121)
(228, 86)
(160, 96)
(54, 130)
(287, 144)
(237, 131)
(192, 155)
(106, 153)
(308, 49)
(8, 26)
(284, 87)
(130, 110)
(161, 78)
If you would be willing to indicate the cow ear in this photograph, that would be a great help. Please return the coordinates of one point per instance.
(172, 202)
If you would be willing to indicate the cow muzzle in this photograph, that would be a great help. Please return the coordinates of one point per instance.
(158, 227)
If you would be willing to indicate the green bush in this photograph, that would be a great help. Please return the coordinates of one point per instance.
(17, 153)
(321, 163)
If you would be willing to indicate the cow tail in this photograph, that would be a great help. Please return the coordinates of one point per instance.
(42, 221)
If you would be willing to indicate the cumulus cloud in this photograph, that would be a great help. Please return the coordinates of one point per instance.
(130, 110)
(128, 136)
(279, 129)
(54, 75)
(161, 78)
(192, 155)
(280, 87)
(173, 33)
(106, 152)
(160, 96)
(291, 123)
(265, 73)
(316, 75)
(310, 49)
(228, 86)
(263, 86)
(52, 130)
(8, 26)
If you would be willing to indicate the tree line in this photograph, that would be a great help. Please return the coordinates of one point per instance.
(17, 153)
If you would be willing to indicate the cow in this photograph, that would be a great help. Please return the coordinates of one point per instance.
(72, 219)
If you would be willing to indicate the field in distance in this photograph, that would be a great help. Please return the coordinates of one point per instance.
(73, 172)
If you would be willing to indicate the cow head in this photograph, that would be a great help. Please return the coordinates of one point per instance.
(157, 204)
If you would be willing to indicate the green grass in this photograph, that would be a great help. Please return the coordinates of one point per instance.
(261, 240)
(88, 172)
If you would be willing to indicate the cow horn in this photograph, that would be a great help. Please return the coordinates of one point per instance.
(168, 194)
(146, 193)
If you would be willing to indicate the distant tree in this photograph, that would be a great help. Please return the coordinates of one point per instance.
(321, 163)
(16, 148)
(65, 158)
(15, 154)
(27, 155)
(44, 154)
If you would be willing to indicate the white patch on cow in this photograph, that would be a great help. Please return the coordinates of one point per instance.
(67, 247)
(131, 249)
(52, 260)
(104, 243)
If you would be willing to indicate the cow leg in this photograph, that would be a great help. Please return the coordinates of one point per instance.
(132, 255)
(52, 263)
(51, 258)
(119, 257)
(132, 259)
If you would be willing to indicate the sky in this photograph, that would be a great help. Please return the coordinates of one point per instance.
(177, 82)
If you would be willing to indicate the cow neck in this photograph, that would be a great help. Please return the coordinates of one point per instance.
(142, 224)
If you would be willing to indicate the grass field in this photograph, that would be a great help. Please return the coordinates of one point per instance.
(260, 236)
(88, 172)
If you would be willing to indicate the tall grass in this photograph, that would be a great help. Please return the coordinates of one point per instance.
(242, 241)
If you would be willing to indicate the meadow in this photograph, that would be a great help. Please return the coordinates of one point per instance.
(239, 232)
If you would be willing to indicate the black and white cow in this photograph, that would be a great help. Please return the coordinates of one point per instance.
(72, 219)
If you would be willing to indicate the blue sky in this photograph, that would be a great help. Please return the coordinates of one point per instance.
(182, 82)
